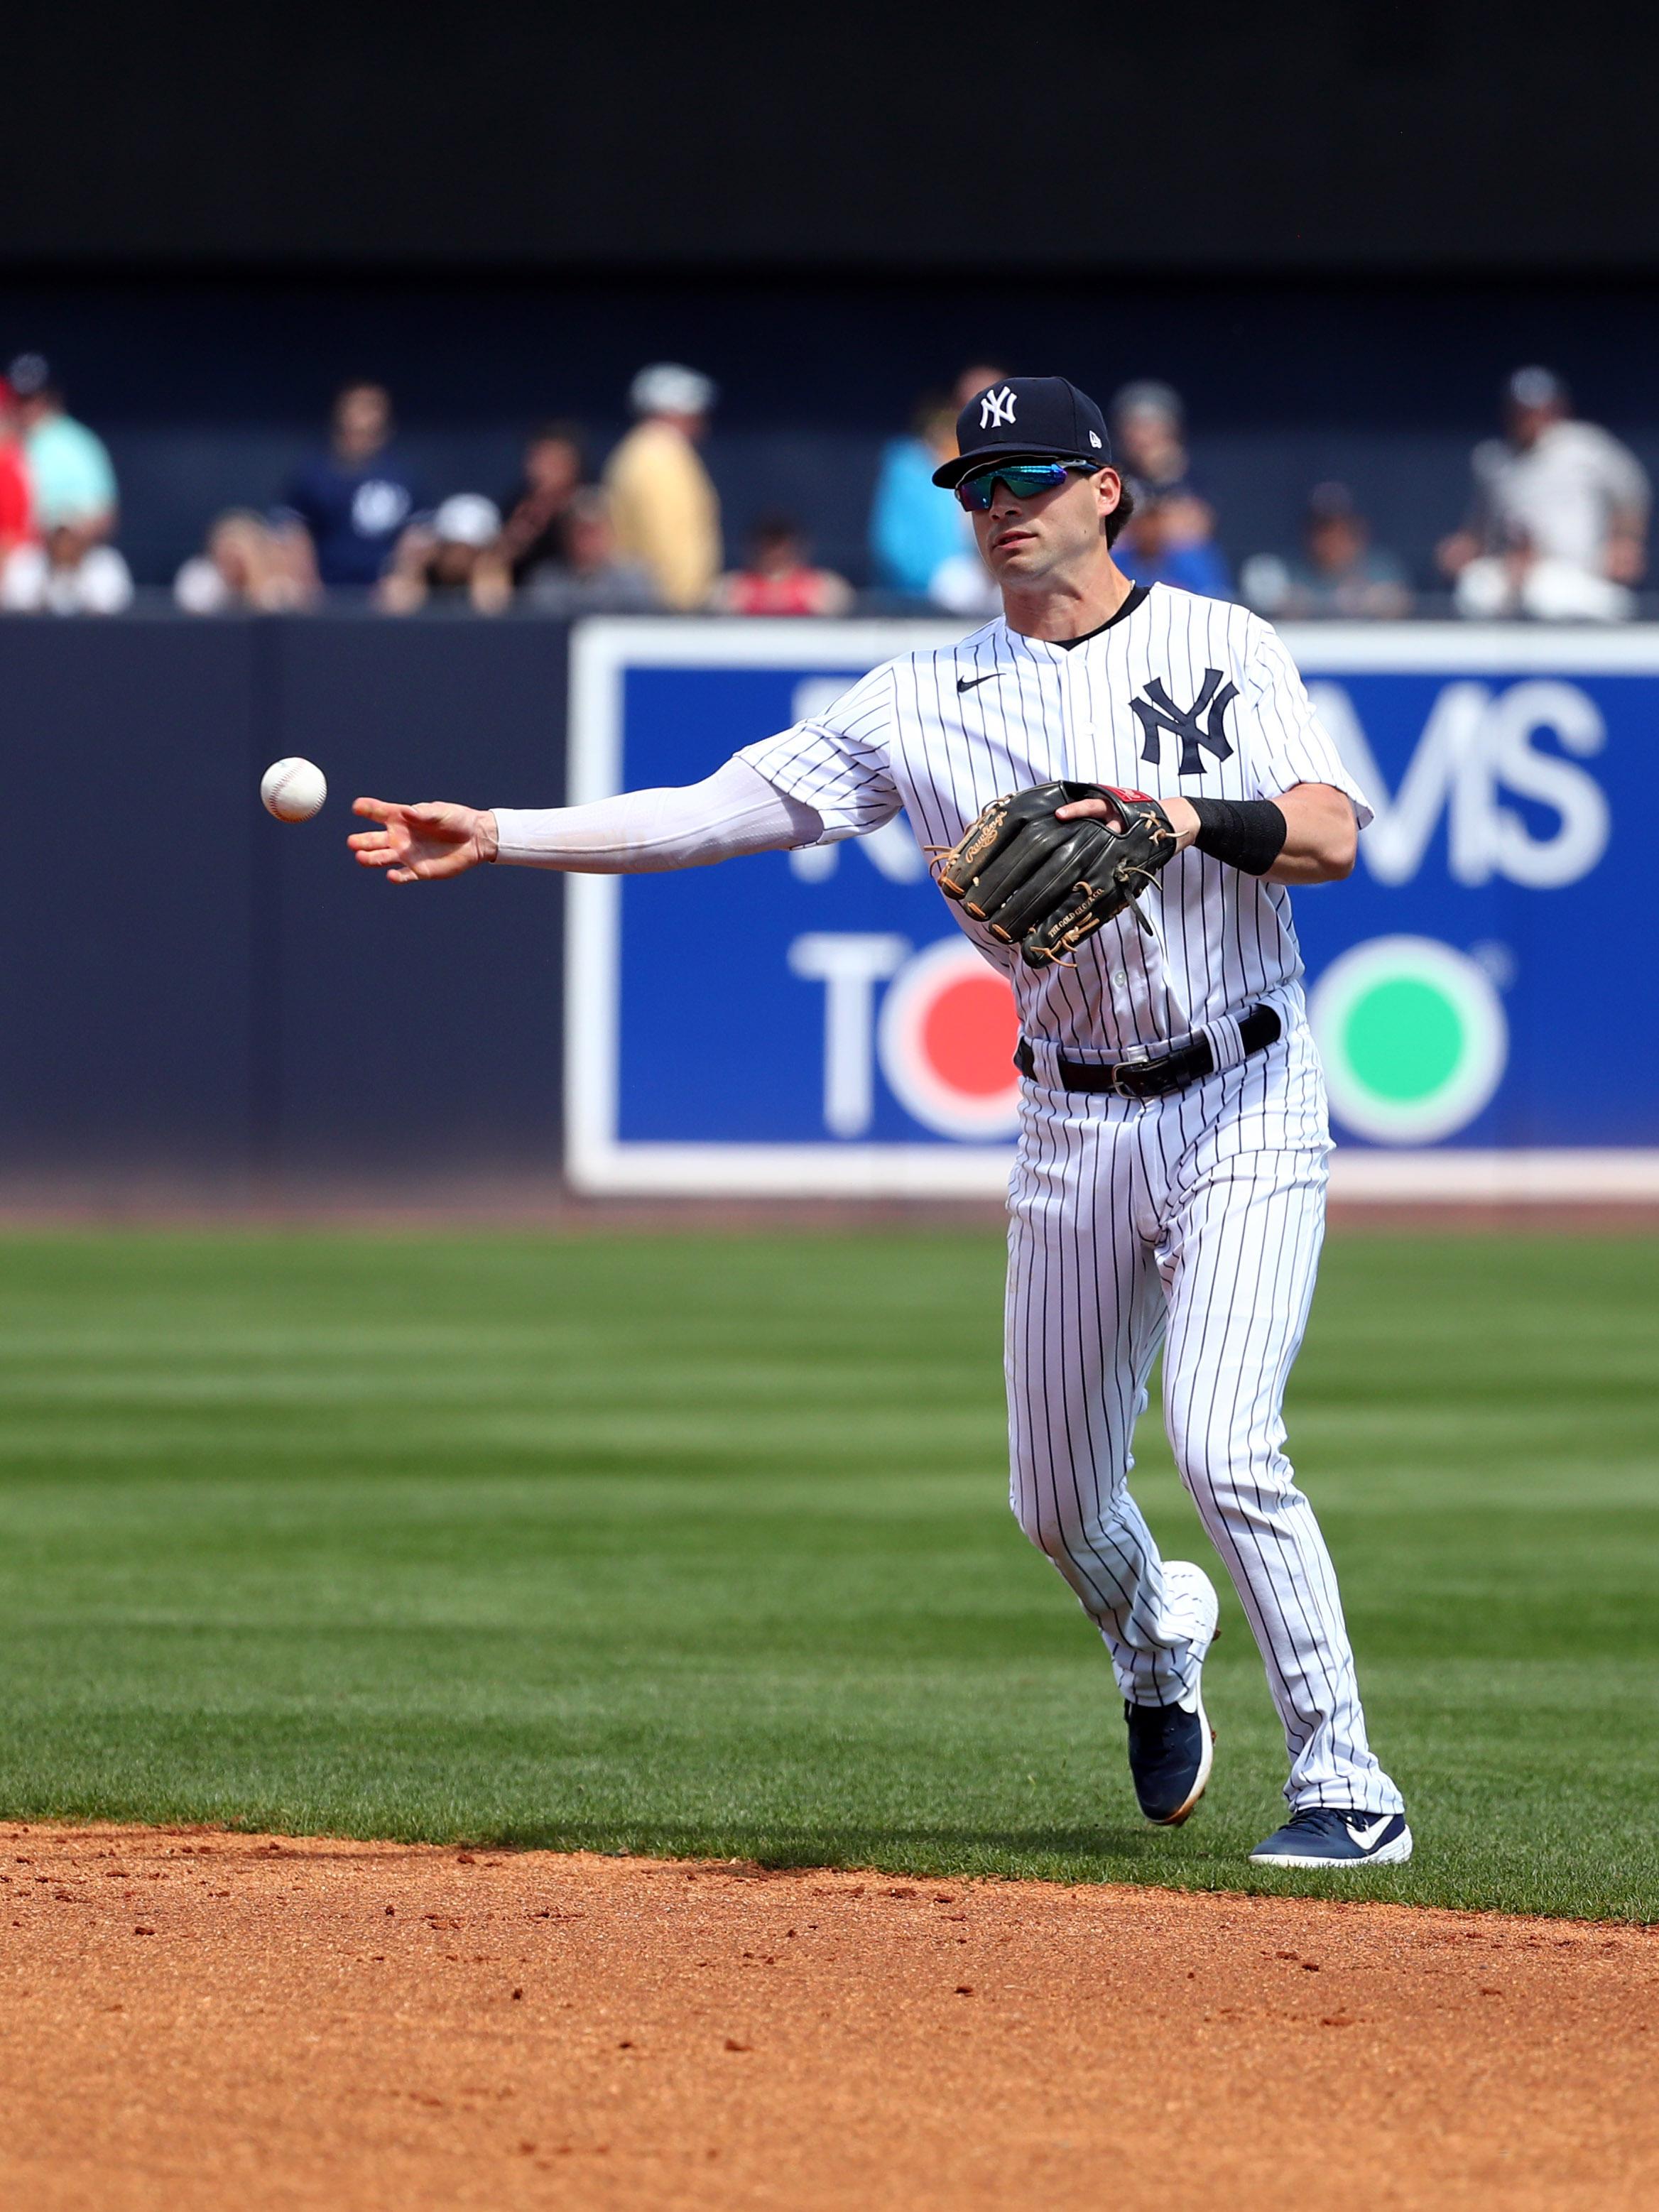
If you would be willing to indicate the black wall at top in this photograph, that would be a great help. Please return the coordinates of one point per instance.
(1310, 134)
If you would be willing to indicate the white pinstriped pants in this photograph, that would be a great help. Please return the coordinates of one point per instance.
(1194, 1221)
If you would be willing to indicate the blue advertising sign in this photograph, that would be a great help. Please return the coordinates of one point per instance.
(814, 1021)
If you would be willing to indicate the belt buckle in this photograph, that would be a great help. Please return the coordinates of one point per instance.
(1136, 1060)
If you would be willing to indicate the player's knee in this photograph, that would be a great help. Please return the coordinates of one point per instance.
(1086, 1549)
(1227, 1471)
(1042, 1523)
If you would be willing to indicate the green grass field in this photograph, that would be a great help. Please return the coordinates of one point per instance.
(700, 1544)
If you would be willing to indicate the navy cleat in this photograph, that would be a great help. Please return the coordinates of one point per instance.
(1172, 1747)
(1336, 1836)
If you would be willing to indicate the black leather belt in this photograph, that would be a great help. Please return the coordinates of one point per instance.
(1153, 1078)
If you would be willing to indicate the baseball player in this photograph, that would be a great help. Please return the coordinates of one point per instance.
(1123, 783)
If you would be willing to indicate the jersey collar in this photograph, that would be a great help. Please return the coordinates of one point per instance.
(1139, 594)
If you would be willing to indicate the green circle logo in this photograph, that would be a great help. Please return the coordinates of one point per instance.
(1413, 1036)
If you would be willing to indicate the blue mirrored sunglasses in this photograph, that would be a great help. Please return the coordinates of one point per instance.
(1024, 480)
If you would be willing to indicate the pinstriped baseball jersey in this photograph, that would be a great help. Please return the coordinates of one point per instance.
(1192, 1220)
(1175, 694)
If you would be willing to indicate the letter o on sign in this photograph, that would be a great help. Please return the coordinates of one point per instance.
(946, 1039)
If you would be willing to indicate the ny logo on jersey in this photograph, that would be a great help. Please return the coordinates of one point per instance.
(1158, 712)
(996, 407)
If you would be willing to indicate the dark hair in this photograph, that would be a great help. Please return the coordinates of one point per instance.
(1121, 514)
(560, 431)
(772, 526)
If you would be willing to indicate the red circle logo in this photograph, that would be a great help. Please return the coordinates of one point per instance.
(969, 1033)
(946, 1040)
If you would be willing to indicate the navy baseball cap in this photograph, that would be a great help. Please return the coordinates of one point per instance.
(1027, 418)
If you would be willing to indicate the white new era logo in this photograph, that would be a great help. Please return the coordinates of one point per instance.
(996, 407)
(1093, 439)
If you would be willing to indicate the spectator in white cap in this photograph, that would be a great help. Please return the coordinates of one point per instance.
(1560, 522)
(665, 512)
(455, 557)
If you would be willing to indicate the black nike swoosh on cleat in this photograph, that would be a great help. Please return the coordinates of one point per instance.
(968, 682)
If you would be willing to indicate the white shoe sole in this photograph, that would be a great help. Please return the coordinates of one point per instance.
(1173, 1819)
(1393, 1853)
(1208, 1759)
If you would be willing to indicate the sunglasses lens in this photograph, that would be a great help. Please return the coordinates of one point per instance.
(1024, 480)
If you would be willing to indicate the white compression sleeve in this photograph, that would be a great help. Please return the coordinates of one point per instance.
(641, 832)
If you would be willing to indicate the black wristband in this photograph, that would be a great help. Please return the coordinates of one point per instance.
(1248, 834)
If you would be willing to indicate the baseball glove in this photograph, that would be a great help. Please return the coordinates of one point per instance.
(1046, 885)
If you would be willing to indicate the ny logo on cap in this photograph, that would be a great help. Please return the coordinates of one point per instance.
(996, 407)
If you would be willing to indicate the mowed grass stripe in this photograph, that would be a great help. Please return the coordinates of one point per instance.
(701, 1544)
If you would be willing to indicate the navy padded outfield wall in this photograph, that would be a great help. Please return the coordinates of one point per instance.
(194, 994)
(195, 997)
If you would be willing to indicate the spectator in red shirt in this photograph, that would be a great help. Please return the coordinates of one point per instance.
(16, 495)
(778, 579)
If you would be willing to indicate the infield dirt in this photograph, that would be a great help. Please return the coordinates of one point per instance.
(190, 2018)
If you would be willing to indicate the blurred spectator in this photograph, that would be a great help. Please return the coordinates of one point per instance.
(1560, 522)
(242, 570)
(913, 532)
(1149, 439)
(69, 470)
(71, 573)
(664, 509)
(534, 535)
(455, 555)
(779, 579)
(68, 497)
(923, 545)
(1157, 547)
(1149, 445)
(16, 501)
(593, 579)
(345, 511)
(1342, 573)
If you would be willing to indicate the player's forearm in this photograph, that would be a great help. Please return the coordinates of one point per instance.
(733, 811)
(1322, 837)
(1307, 834)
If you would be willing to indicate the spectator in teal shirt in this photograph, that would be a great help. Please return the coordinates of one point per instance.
(912, 530)
(69, 465)
(923, 545)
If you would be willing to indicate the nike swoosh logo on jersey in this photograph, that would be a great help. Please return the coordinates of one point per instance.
(1366, 1837)
(969, 683)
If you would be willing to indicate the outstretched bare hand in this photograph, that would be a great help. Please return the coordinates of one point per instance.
(418, 844)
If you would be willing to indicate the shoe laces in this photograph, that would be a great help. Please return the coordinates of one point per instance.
(1159, 1723)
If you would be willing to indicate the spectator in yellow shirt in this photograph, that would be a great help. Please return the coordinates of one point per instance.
(665, 512)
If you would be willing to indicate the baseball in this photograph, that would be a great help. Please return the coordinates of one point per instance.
(292, 790)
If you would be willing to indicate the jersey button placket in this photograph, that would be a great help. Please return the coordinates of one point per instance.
(1069, 674)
